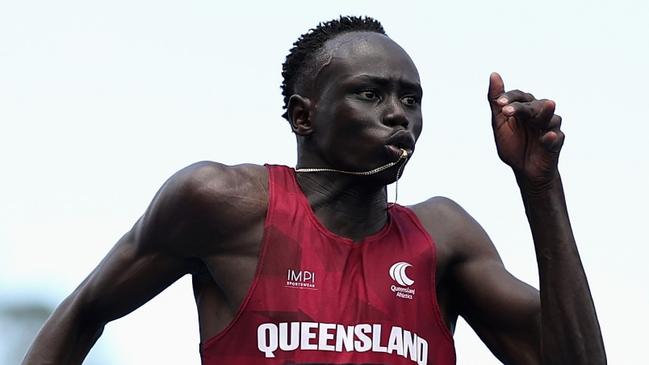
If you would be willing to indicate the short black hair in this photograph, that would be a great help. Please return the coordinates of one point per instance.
(301, 58)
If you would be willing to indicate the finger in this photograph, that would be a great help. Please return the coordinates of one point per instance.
(553, 140)
(515, 96)
(522, 111)
(538, 113)
(555, 122)
(496, 89)
(544, 117)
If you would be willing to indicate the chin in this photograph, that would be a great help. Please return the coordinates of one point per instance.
(388, 176)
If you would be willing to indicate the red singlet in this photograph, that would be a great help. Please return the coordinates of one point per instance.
(318, 298)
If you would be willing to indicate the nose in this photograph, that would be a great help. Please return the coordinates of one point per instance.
(394, 114)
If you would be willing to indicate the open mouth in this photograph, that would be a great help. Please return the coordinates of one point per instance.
(399, 142)
(398, 152)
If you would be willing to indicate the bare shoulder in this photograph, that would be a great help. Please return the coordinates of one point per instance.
(439, 208)
(207, 201)
(456, 233)
(206, 182)
(443, 216)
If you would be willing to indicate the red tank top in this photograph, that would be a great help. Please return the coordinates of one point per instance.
(319, 298)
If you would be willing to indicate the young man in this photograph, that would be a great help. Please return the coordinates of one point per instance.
(312, 266)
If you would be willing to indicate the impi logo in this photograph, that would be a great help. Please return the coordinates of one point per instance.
(302, 279)
(398, 273)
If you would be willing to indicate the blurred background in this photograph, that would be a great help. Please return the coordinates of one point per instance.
(100, 102)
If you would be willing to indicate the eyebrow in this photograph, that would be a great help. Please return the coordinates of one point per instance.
(384, 81)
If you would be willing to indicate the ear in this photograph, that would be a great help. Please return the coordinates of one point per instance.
(299, 114)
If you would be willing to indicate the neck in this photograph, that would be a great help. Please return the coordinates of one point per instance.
(349, 206)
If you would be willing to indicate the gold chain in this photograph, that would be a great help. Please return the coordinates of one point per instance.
(404, 155)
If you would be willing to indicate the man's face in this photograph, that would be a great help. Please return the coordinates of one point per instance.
(367, 102)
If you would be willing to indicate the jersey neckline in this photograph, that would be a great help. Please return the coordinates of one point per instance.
(304, 202)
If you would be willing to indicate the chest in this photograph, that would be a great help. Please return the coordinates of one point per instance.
(319, 277)
(313, 297)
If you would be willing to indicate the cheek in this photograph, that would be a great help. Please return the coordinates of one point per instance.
(352, 118)
(418, 127)
(347, 127)
(350, 141)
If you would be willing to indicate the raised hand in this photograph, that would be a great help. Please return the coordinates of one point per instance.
(527, 132)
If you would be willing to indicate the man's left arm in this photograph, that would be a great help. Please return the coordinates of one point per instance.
(529, 139)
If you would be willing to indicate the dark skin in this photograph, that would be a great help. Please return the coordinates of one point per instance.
(207, 220)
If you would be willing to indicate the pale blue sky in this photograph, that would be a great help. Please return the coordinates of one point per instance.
(101, 102)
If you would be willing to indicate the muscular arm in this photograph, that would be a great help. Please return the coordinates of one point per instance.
(127, 277)
(529, 139)
(157, 251)
(570, 331)
(519, 324)
(473, 283)
(557, 325)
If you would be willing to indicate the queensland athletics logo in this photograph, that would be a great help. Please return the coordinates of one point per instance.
(398, 273)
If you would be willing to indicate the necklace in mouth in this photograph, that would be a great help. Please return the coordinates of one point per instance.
(404, 156)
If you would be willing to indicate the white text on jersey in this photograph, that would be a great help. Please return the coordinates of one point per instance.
(339, 338)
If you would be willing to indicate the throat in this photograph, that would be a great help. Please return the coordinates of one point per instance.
(344, 206)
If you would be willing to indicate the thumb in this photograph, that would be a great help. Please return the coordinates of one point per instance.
(496, 89)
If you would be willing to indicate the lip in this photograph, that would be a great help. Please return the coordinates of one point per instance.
(396, 152)
(401, 140)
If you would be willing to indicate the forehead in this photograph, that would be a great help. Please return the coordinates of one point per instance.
(366, 53)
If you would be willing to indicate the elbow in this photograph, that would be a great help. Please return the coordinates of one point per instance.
(66, 336)
(80, 308)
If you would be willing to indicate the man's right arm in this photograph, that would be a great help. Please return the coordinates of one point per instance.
(157, 251)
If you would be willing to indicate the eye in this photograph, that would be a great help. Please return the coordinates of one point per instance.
(409, 100)
(369, 95)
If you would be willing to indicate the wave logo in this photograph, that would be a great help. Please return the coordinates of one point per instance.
(398, 273)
